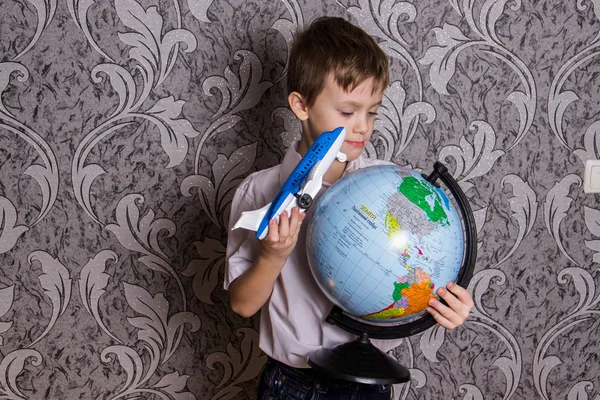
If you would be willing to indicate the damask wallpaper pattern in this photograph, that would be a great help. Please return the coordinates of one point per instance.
(126, 125)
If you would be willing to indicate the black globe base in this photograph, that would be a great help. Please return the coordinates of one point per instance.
(359, 361)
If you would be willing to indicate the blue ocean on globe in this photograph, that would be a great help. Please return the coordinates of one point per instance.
(382, 240)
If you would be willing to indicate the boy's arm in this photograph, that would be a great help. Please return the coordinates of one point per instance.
(459, 306)
(252, 289)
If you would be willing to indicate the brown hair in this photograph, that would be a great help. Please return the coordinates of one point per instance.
(334, 45)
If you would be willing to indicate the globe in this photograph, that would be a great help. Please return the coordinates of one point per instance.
(382, 240)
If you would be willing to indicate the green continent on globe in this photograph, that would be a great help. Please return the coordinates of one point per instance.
(424, 196)
(411, 296)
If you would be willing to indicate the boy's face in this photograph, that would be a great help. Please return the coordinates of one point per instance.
(334, 107)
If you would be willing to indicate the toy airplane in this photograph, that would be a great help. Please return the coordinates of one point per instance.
(302, 185)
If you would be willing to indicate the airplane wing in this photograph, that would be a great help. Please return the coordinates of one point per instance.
(251, 219)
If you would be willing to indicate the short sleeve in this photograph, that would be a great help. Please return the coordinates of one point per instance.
(242, 245)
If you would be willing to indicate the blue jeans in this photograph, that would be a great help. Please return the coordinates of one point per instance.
(282, 382)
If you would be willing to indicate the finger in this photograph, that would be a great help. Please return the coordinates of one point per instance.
(284, 226)
(295, 220)
(463, 294)
(450, 299)
(296, 233)
(440, 319)
(273, 234)
(446, 316)
(461, 306)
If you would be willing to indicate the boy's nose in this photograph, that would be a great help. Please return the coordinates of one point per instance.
(361, 125)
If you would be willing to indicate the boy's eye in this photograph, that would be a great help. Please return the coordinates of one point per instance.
(373, 113)
(346, 113)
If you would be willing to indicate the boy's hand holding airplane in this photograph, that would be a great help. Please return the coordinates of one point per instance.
(282, 236)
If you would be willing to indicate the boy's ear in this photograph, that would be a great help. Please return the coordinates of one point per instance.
(298, 106)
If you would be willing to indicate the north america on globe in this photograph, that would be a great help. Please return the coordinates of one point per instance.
(381, 241)
(412, 291)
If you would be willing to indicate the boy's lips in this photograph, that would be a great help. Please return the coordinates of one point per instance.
(356, 143)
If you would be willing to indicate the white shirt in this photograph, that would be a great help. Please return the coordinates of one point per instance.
(292, 322)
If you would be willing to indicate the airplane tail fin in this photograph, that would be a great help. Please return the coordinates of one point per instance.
(251, 219)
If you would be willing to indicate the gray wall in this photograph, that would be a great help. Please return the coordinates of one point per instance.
(125, 127)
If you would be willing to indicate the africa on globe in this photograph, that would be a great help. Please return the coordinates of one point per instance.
(382, 240)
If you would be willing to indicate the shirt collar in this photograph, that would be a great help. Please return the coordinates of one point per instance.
(292, 158)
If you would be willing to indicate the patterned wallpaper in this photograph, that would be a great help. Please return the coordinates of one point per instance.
(126, 125)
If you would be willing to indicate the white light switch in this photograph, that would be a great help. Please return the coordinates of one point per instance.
(591, 177)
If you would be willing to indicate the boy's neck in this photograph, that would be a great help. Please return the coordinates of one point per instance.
(335, 172)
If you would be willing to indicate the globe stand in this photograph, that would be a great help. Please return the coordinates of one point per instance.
(360, 361)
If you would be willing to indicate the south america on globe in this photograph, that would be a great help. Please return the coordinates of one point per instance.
(382, 240)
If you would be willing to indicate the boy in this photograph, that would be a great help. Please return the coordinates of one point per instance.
(337, 75)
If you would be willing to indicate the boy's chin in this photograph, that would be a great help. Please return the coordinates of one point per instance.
(351, 157)
(352, 153)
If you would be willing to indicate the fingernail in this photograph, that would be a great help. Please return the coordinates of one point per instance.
(450, 285)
